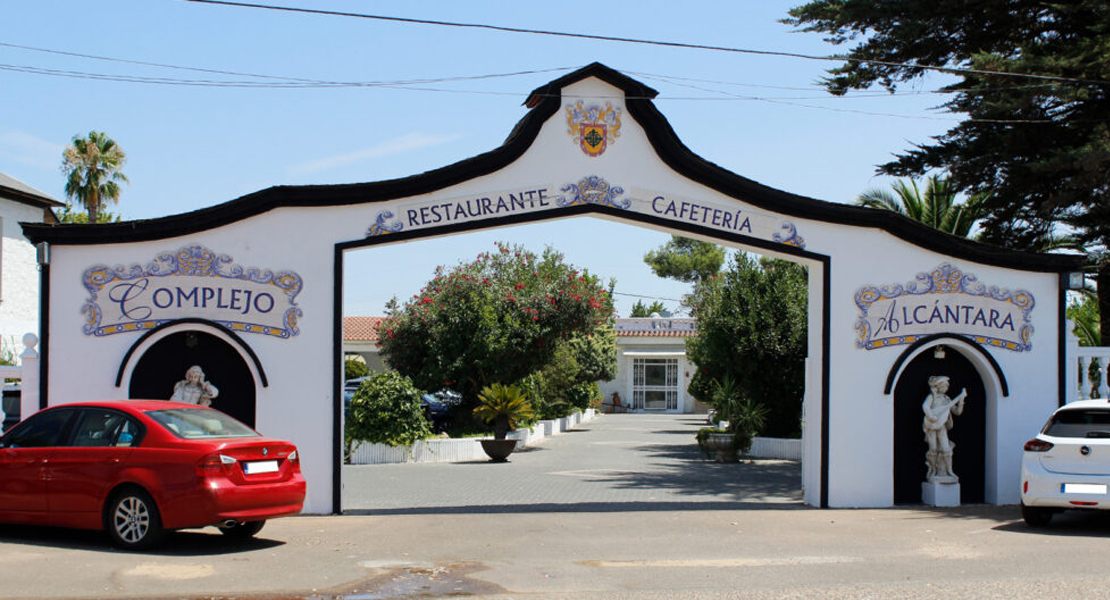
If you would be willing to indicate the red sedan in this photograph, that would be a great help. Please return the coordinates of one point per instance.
(137, 468)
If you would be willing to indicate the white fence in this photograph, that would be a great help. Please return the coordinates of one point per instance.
(27, 372)
(458, 450)
(786, 449)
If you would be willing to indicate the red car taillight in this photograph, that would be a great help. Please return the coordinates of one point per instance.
(294, 460)
(1035, 445)
(215, 465)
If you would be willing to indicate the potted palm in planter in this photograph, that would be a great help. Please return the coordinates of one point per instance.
(744, 416)
(502, 406)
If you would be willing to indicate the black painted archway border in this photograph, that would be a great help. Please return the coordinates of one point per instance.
(192, 321)
(929, 340)
(580, 210)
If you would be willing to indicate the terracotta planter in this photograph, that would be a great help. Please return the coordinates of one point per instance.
(498, 450)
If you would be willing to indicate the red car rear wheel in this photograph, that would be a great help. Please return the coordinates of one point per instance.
(132, 520)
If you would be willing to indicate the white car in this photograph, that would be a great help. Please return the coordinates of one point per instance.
(1068, 464)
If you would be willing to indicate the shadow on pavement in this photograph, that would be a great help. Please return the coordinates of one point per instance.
(194, 542)
(579, 507)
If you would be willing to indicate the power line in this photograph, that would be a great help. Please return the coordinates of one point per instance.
(417, 86)
(688, 46)
(646, 297)
(289, 81)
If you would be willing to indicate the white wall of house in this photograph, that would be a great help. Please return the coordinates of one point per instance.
(631, 348)
(369, 353)
(19, 276)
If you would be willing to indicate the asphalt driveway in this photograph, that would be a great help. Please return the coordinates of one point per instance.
(619, 462)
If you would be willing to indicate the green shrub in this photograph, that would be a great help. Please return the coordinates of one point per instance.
(583, 395)
(354, 368)
(386, 409)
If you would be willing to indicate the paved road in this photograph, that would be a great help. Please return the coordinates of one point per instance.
(626, 462)
(609, 536)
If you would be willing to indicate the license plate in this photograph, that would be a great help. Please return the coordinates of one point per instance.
(1083, 488)
(260, 466)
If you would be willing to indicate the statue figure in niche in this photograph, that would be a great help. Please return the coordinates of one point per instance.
(194, 389)
(939, 411)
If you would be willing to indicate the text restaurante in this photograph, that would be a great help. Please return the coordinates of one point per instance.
(477, 207)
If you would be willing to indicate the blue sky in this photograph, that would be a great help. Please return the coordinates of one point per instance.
(192, 146)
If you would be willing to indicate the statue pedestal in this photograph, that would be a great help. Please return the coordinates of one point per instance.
(935, 493)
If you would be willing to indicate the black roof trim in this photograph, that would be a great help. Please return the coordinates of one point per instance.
(24, 197)
(543, 102)
(554, 89)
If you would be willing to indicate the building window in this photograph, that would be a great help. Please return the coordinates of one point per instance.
(655, 384)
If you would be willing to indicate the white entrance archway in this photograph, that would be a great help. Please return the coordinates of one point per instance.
(269, 267)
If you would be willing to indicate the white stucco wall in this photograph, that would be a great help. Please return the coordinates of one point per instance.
(630, 348)
(19, 276)
(299, 401)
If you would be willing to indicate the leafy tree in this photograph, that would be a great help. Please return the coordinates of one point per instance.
(595, 353)
(1083, 311)
(386, 410)
(92, 166)
(67, 214)
(686, 260)
(569, 380)
(1039, 145)
(495, 319)
(752, 326)
(935, 206)
(641, 310)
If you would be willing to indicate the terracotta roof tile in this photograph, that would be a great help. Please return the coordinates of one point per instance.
(361, 329)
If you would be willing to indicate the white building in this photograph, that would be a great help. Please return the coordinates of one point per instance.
(653, 373)
(19, 272)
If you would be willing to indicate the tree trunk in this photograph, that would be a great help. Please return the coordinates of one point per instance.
(93, 206)
(1103, 283)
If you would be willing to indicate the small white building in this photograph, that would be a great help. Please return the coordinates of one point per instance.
(19, 271)
(653, 373)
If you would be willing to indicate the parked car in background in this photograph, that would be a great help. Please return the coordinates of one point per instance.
(436, 405)
(437, 408)
(1068, 464)
(138, 468)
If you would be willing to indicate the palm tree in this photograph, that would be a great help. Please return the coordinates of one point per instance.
(92, 168)
(934, 206)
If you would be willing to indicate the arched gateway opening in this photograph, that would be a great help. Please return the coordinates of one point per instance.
(267, 269)
(781, 479)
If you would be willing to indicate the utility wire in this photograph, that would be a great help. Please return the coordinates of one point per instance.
(280, 78)
(646, 297)
(606, 38)
(415, 85)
